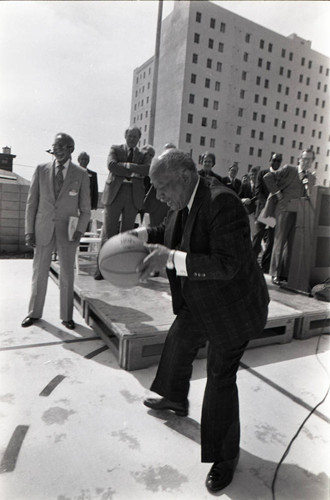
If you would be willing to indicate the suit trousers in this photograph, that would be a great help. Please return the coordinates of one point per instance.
(283, 241)
(123, 205)
(220, 428)
(66, 252)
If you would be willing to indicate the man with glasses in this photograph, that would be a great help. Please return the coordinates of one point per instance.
(58, 190)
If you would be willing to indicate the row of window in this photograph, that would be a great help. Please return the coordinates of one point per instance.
(202, 140)
(262, 44)
(143, 75)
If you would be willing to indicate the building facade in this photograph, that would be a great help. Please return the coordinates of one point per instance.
(232, 87)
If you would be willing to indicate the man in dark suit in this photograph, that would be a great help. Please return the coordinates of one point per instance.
(83, 160)
(286, 185)
(218, 295)
(124, 189)
(261, 230)
(231, 180)
(58, 190)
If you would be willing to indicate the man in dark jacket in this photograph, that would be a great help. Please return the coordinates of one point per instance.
(218, 295)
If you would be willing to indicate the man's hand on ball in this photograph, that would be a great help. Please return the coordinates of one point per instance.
(155, 261)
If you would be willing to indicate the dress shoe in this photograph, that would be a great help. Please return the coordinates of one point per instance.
(180, 409)
(98, 276)
(28, 321)
(69, 324)
(276, 281)
(220, 475)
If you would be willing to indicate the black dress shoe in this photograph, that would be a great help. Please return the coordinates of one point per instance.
(98, 276)
(69, 324)
(28, 321)
(276, 281)
(180, 409)
(220, 475)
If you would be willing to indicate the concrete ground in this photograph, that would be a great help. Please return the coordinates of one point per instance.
(73, 426)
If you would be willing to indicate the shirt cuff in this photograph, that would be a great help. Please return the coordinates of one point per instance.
(142, 233)
(180, 263)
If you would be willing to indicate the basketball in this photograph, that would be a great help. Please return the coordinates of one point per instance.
(119, 257)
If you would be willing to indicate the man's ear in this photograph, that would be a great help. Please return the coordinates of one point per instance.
(186, 177)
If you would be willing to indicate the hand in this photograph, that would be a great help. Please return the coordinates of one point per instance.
(279, 195)
(76, 236)
(155, 261)
(30, 240)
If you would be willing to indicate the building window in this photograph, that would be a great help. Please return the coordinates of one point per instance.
(220, 47)
(212, 23)
(282, 141)
(290, 56)
(264, 101)
(217, 86)
(207, 83)
(195, 58)
(270, 47)
(268, 65)
(260, 62)
(212, 143)
(274, 139)
(211, 43)
(219, 66)
(285, 107)
(258, 79)
(222, 27)
(244, 73)
(321, 119)
(190, 118)
(188, 137)
(266, 84)
(298, 94)
(263, 118)
(317, 101)
(283, 53)
(237, 146)
(279, 88)
(245, 57)
(262, 44)
(293, 144)
(281, 70)
(318, 85)
(146, 114)
(275, 122)
(215, 105)
(193, 78)
(313, 133)
(251, 150)
(295, 127)
(306, 98)
(253, 134)
(242, 94)
(204, 121)
(261, 136)
(277, 104)
(254, 116)
(214, 124)
(259, 153)
(247, 37)
(256, 98)
(301, 77)
(287, 90)
(198, 17)
(297, 111)
(302, 130)
(315, 117)
(325, 88)
(288, 74)
(202, 141)
(209, 63)
(308, 80)
(205, 102)
(320, 135)
(303, 61)
(196, 37)
(321, 69)
(191, 98)
(238, 130)
(304, 114)
(240, 111)
(283, 124)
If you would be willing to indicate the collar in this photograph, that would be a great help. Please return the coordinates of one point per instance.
(192, 197)
(65, 165)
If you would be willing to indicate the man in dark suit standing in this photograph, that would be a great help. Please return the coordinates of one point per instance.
(83, 160)
(231, 180)
(218, 295)
(261, 230)
(124, 189)
(58, 190)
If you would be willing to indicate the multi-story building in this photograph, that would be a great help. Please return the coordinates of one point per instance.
(232, 87)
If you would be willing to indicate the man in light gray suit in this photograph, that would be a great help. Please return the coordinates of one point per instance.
(58, 190)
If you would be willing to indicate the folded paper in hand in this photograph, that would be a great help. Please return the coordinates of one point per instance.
(72, 227)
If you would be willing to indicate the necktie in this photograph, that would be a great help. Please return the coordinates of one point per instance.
(184, 216)
(59, 179)
(130, 155)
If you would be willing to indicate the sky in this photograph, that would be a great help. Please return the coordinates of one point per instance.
(67, 66)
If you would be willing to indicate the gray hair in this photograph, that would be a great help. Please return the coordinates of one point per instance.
(174, 161)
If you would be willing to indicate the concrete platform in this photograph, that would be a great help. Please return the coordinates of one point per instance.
(83, 433)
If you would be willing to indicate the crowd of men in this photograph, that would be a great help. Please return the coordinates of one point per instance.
(201, 235)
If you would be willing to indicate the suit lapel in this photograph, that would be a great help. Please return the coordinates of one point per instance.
(51, 178)
(198, 200)
(67, 180)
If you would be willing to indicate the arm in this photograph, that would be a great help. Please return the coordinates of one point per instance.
(84, 204)
(125, 169)
(95, 192)
(32, 204)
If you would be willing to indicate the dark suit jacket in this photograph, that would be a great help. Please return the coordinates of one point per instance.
(225, 287)
(212, 177)
(117, 174)
(235, 186)
(262, 191)
(94, 190)
(246, 192)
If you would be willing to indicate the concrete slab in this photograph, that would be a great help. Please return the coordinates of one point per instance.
(91, 438)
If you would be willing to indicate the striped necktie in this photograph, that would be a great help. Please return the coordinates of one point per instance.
(59, 179)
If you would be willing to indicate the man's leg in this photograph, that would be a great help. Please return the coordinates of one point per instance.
(175, 367)
(66, 254)
(266, 256)
(41, 264)
(257, 238)
(129, 212)
(220, 428)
